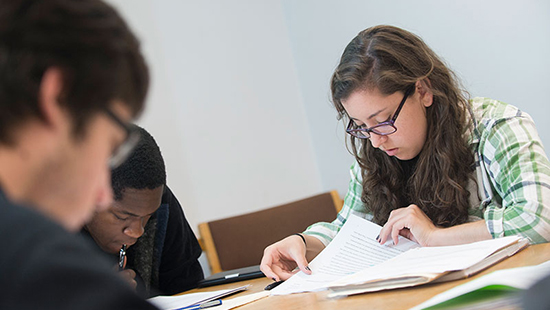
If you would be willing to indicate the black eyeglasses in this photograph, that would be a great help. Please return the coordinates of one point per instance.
(382, 129)
(127, 146)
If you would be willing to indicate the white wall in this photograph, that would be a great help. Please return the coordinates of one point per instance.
(225, 106)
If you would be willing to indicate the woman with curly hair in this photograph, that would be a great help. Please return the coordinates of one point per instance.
(431, 164)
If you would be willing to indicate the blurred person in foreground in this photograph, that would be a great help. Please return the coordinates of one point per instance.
(72, 77)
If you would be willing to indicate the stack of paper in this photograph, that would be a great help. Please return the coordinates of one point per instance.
(354, 262)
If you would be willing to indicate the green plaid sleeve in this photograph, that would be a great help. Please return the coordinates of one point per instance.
(352, 205)
(519, 175)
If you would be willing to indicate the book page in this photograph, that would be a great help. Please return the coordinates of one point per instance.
(354, 248)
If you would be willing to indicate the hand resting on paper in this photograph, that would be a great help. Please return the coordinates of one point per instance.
(281, 258)
(412, 223)
(409, 222)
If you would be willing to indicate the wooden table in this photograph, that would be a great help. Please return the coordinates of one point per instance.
(392, 299)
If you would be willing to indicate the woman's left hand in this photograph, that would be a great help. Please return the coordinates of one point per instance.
(409, 222)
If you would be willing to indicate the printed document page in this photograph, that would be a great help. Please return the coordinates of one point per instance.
(430, 260)
(354, 248)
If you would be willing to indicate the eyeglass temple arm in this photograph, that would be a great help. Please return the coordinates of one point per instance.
(407, 93)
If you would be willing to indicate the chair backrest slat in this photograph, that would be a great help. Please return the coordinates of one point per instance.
(239, 241)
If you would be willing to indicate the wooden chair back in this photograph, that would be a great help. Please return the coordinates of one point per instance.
(239, 241)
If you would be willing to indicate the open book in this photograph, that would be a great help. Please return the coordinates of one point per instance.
(354, 262)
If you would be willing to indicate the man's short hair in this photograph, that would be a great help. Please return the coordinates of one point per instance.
(87, 40)
(143, 169)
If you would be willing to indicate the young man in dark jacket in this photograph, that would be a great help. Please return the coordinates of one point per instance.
(163, 252)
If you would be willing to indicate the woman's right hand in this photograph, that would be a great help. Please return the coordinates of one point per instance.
(281, 258)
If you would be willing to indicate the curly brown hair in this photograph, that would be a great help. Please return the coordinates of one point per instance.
(391, 59)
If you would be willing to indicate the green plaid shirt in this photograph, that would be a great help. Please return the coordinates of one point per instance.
(512, 172)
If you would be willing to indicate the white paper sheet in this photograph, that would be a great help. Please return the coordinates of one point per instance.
(354, 248)
(180, 301)
(241, 300)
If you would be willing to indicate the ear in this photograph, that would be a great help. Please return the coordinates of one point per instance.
(48, 97)
(423, 88)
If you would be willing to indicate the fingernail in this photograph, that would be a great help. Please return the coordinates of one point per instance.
(377, 237)
(274, 279)
(307, 268)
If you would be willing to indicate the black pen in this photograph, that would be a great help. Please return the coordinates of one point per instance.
(121, 256)
(273, 285)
